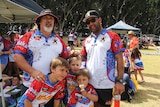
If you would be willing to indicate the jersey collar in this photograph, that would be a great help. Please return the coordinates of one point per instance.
(101, 33)
(38, 32)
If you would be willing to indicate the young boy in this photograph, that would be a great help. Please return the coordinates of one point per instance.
(40, 93)
(74, 64)
(84, 95)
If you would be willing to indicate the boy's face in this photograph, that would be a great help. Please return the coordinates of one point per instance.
(15, 81)
(82, 80)
(75, 66)
(60, 72)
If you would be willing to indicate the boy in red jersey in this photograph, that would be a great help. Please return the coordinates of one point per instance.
(39, 93)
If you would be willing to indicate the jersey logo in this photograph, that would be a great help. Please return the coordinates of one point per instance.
(103, 39)
(55, 41)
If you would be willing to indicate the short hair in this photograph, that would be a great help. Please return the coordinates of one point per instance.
(58, 61)
(83, 72)
(74, 57)
(124, 43)
(17, 76)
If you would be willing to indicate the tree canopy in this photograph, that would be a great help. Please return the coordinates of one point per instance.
(143, 14)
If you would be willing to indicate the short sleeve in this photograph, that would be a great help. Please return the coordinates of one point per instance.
(33, 90)
(64, 53)
(116, 42)
(22, 43)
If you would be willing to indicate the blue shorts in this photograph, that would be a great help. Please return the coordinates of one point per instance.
(4, 59)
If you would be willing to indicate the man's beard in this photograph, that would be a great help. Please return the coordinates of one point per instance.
(48, 29)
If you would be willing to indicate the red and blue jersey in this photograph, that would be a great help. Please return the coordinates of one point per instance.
(39, 51)
(4, 45)
(126, 56)
(78, 100)
(70, 85)
(40, 93)
(100, 52)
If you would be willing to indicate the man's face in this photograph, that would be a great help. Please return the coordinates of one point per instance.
(130, 36)
(47, 23)
(93, 24)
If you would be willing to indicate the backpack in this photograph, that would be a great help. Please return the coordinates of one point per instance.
(129, 91)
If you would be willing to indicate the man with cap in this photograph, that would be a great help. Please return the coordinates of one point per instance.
(134, 42)
(34, 51)
(101, 49)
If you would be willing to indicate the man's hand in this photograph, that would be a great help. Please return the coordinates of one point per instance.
(119, 88)
(74, 53)
(38, 75)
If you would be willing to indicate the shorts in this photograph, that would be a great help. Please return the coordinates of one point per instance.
(104, 95)
(11, 57)
(4, 59)
(70, 43)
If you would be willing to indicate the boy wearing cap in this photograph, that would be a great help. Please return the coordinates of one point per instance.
(34, 51)
(101, 50)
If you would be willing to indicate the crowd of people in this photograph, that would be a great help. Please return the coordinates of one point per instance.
(54, 74)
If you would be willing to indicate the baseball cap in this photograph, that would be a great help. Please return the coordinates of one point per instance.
(44, 13)
(91, 13)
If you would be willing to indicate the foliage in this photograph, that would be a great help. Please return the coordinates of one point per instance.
(143, 14)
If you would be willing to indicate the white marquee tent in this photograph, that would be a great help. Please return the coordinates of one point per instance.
(122, 27)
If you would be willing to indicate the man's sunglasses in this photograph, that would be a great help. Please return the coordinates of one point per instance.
(92, 20)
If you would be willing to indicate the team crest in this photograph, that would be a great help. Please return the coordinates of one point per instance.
(55, 41)
(44, 89)
(103, 39)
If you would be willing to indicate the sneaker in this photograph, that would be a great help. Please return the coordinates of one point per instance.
(141, 81)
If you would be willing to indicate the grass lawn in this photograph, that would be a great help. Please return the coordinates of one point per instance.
(148, 94)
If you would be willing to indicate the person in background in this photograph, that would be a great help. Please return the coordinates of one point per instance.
(138, 64)
(61, 33)
(15, 81)
(75, 64)
(71, 38)
(35, 50)
(4, 51)
(84, 95)
(34, 28)
(39, 93)
(101, 49)
(126, 58)
(12, 66)
(127, 61)
(133, 40)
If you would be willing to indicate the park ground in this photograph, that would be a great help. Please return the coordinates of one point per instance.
(148, 94)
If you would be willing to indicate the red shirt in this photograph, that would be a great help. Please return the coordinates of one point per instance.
(134, 42)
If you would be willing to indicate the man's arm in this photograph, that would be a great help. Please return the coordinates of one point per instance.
(119, 87)
(120, 66)
(23, 64)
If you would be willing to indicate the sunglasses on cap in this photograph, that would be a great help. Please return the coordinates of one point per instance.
(91, 20)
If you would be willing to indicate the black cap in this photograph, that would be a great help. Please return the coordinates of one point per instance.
(44, 13)
(91, 13)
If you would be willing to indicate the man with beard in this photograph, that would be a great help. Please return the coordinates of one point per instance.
(101, 49)
(34, 51)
